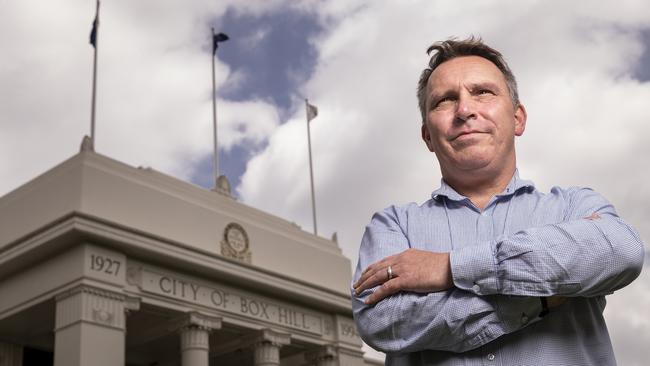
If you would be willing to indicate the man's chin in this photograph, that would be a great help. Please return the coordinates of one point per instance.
(473, 167)
(472, 162)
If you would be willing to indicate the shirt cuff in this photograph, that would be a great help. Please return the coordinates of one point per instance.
(517, 312)
(473, 269)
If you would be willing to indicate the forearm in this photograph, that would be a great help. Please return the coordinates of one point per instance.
(453, 320)
(584, 257)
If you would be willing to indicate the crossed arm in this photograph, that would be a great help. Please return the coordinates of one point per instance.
(461, 300)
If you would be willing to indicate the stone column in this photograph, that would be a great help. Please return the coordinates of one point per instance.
(90, 327)
(195, 330)
(11, 354)
(266, 347)
(323, 356)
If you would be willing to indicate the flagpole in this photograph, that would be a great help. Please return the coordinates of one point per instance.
(311, 170)
(215, 163)
(94, 91)
(216, 38)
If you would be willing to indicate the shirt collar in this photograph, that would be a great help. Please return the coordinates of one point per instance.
(515, 185)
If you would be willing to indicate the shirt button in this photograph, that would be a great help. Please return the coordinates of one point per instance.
(491, 357)
(524, 319)
(476, 288)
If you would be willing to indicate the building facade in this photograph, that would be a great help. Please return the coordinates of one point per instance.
(102, 264)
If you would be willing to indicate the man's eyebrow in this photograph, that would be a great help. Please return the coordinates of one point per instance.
(472, 86)
(436, 96)
(484, 85)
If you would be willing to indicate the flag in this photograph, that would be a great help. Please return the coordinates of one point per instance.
(312, 112)
(216, 38)
(93, 33)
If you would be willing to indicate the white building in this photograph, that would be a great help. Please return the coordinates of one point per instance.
(105, 264)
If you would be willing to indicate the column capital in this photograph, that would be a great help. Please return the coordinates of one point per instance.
(271, 337)
(266, 346)
(198, 320)
(194, 329)
(90, 304)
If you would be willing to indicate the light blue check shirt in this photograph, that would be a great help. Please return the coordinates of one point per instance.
(524, 245)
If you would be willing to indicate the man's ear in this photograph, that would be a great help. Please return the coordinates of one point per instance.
(426, 137)
(520, 119)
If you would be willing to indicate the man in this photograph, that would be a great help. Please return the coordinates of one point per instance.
(490, 271)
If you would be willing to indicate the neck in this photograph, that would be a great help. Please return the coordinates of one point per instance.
(479, 187)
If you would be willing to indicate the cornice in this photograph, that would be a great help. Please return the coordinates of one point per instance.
(76, 228)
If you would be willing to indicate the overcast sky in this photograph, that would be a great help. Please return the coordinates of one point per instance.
(583, 68)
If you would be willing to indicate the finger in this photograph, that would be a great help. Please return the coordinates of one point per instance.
(367, 273)
(371, 270)
(379, 277)
(388, 288)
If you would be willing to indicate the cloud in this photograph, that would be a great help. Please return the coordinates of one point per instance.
(256, 37)
(249, 122)
(154, 86)
(626, 316)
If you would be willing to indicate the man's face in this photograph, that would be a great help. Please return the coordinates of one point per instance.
(471, 121)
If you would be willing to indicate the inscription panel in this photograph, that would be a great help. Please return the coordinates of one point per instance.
(104, 264)
(347, 331)
(227, 299)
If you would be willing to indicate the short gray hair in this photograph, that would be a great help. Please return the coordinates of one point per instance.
(450, 49)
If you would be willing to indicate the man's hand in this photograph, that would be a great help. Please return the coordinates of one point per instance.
(412, 270)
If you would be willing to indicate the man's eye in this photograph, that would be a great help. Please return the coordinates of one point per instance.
(444, 100)
(484, 91)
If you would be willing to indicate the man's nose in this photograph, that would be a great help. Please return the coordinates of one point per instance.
(465, 108)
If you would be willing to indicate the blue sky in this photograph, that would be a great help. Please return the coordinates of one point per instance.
(642, 71)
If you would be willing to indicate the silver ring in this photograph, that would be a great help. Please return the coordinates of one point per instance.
(390, 272)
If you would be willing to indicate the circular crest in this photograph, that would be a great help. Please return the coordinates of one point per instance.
(235, 236)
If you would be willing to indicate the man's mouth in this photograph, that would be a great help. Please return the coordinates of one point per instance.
(466, 133)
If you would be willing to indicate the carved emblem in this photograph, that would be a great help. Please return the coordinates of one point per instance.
(235, 243)
(102, 316)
